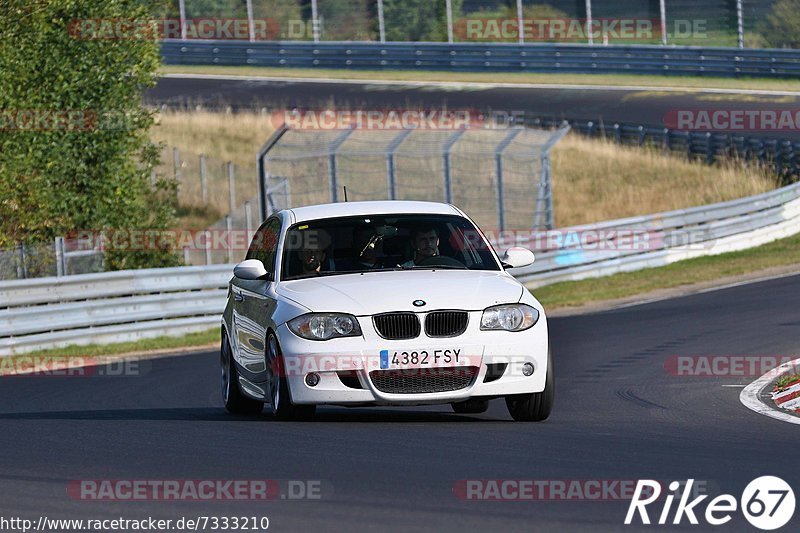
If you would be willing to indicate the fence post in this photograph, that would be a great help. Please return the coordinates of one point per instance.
(231, 187)
(315, 26)
(589, 22)
(740, 22)
(248, 219)
(663, 7)
(207, 234)
(381, 22)
(520, 29)
(204, 179)
(251, 30)
(498, 159)
(332, 176)
(229, 229)
(22, 268)
(176, 165)
(390, 166)
(61, 263)
(448, 183)
(182, 14)
(186, 255)
(449, 6)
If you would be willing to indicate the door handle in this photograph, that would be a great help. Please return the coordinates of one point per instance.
(238, 296)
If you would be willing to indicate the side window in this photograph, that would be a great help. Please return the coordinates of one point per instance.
(265, 244)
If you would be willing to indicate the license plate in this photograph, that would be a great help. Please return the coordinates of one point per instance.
(421, 358)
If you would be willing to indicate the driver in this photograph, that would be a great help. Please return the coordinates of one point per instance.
(313, 255)
(426, 244)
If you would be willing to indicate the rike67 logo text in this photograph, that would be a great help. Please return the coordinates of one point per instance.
(767, 503)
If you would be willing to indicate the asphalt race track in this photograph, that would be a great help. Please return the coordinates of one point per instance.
(619, 415)
(647, 107)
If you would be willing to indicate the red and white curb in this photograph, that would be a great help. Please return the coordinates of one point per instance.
(753, 394)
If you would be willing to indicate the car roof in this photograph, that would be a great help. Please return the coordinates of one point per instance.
(385, 207)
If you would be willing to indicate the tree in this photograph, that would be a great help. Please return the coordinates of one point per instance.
(782, 26)
(75, 153)
(418, 20)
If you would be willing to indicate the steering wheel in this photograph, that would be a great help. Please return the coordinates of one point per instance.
(441, 260)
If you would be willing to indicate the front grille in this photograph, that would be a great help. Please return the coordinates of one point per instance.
(423, 380)
(446, 323)
(397, 326)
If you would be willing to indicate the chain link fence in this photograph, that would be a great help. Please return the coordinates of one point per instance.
(501, 177)
(747, 23)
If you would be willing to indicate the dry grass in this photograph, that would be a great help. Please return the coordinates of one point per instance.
(593, 179)
(221, 137)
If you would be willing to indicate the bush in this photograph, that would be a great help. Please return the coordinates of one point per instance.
(75, 153)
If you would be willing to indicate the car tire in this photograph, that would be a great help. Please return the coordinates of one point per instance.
(278, 388)
(533, 407)
(471, 407)
(235, 401)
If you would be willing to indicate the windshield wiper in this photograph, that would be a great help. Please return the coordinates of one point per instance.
(435, 267)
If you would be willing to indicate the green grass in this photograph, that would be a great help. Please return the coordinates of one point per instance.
(203, 338)
(702, 269)
(494, 77)
(783, 382)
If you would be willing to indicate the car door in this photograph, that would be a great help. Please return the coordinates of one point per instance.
(253, 300)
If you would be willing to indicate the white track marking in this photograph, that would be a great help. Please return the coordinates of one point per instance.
(485, 85)
(750, 396)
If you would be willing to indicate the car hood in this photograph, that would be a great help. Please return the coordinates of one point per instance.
(380, 292)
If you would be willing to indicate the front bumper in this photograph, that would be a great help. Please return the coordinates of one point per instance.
(359, 356)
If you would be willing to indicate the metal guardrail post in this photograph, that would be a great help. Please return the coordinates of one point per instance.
(520, 29)
(498, 161)
(332, 176)
(448, 182)
(390, 166)
(203, 179)
(663, 8)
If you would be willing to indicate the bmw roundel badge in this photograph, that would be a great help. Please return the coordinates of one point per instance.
(419, 303)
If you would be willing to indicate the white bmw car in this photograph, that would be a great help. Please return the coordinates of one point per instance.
(381, 303)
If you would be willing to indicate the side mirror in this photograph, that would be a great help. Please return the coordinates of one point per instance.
(251, 270)
(517, 257)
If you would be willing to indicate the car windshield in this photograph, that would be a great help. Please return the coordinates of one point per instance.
(387, 242)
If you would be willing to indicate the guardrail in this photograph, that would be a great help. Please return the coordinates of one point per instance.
(656, 240)
(538, 57)
(122, 306)
(110, 307)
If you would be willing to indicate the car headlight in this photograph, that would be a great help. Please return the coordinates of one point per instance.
(324, 326)
(510, 317)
